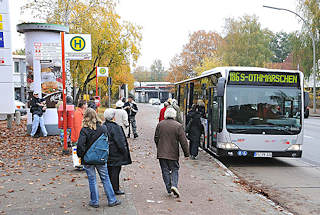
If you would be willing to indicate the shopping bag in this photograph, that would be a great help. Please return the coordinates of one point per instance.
(76, 160)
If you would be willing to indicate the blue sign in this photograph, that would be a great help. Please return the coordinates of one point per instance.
(1, 40)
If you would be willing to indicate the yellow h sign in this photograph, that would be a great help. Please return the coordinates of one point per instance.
(0, 17)
(77, 43)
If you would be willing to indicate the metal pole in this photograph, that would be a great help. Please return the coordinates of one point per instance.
(109, 95)
(65, 144)
(96, 81)
(22, 68)
(314, 75)
(314, 52)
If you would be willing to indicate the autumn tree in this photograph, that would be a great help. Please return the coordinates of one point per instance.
(115, 43)
(201, 45)
(208, 63)
(245, 43)
(302, 42)
(177, 70)
(141, 74)
(157, 71)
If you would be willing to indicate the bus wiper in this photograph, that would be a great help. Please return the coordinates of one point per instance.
(286, 130)
(239, 131)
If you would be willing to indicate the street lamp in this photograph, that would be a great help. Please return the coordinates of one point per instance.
(313, 47)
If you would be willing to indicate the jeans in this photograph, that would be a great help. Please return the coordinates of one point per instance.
(170, 173)
(36, 120)
(132, 122)
(104, 176)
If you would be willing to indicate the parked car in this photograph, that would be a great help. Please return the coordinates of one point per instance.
(21, 107)
(155, 101)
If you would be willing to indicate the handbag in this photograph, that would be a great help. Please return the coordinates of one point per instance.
(98, 152)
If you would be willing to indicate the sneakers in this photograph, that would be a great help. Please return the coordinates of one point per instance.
(175, 191)
(92, 205)
(117, 202)
(192, 157)
(135, 135)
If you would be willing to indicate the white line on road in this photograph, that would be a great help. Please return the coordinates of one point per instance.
(306, 136)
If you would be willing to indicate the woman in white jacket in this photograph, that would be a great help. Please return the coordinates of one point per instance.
(121, 117)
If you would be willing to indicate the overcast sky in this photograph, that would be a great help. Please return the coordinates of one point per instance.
(168, 23)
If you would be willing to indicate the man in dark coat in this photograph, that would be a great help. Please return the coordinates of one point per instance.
(37, 109)
(194, 129)
(132, 109)
(167, 136)
(119, 153)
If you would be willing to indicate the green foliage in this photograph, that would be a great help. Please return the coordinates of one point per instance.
(157, 71)
(281, 46)
(303, 52)
(246, 43)
(302, 42)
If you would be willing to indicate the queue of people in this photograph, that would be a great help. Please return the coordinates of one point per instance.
(169, 135)
(116, 121)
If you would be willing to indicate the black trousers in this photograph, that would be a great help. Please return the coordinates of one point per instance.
(114, 172)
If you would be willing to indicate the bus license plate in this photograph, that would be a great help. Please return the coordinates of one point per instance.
(262, 154)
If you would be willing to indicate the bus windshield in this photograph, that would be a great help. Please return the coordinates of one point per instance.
(263, 109)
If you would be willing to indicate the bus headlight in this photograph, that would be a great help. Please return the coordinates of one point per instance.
(227, 146)
(295, 147)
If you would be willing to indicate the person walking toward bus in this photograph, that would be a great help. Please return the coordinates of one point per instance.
(161, 115)
(169, 133)
(119, 153)
(90, 132)
(174, 104)
(132, 109)
(194, 129)
(37, 109)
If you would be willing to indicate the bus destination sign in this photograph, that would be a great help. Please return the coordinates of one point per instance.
(264, 78)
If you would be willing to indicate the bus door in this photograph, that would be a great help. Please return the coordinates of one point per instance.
(213, 117)
(185, 103)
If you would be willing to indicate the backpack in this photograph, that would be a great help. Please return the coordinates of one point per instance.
(98, 153)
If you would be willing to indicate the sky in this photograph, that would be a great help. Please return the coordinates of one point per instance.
(167, 24)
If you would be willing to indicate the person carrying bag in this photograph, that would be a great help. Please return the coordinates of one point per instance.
(93, 149)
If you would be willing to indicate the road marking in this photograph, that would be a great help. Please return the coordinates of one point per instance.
(306, 136)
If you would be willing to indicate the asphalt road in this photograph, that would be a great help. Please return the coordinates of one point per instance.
(311, 147)
(292, 182)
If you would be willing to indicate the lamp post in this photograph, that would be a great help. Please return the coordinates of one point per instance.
(313, 47)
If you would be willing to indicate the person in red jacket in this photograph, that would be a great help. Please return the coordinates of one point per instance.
(77, 121)
(161, 116)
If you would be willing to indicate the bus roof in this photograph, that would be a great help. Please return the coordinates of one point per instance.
(224, 70)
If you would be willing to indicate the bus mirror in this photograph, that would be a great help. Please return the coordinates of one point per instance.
(220, 86)
(306, 99)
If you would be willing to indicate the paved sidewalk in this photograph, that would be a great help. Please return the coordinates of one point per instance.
(36, 179)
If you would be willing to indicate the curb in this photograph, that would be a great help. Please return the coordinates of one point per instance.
(235, 177)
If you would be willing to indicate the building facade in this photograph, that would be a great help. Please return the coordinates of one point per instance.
(144, 91)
